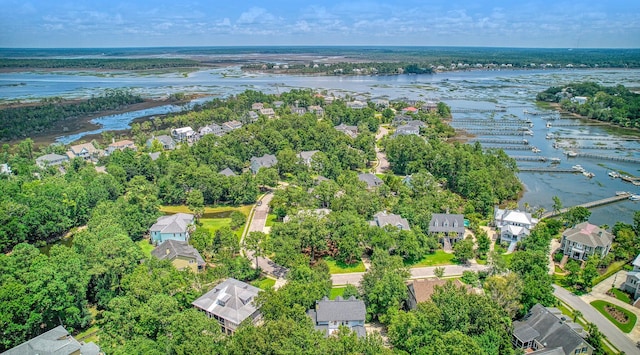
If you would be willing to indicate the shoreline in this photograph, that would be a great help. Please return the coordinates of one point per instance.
(556, 106)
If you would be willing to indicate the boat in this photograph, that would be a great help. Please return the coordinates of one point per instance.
(621, 193)
(548, 124)
(535, 150)
(626, 178)
(529, 132)
(634, 197)
(577, 167)
(614, 174)
(636, 182)
(549, 136)
(572, 154)
(588, 174)
(555, 160)
(525, 142)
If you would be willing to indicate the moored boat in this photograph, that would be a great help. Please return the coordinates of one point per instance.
(572, 154)
(614, 174)
(634, 197)
(588, 174)
(620, 193)
(578, 167)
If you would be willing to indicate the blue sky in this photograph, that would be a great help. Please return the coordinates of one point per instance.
(148, 23)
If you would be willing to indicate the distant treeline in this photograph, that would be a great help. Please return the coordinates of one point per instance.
(90, 63)
(615, 104)
(20, 122)
(347, 68)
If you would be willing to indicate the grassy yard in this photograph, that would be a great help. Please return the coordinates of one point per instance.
(264, 283)
(621, 295)
(436, 259)
(625, 327)
(213, 224)
(612, 269)
(245, 209)
(507, 258)
(338, 267)
(335, 292)
(271, 219)
(146, 247)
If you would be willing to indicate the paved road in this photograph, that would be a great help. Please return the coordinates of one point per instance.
(257, 224)
(613, 334)
(416, 273)
(383, 163)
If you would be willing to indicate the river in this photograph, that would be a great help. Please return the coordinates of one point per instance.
(477, 90)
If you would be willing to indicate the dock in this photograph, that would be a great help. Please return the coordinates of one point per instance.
(547, 170)
(508, 147)
(490, 121)
(500, 141)
(609, 157)
(604, 201)
(598, 138)
(478, 110)
(494, 132)
(529, 158)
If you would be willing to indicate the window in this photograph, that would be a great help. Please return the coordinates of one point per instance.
(584, 349)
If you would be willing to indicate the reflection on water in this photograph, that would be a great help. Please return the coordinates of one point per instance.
(515, 89)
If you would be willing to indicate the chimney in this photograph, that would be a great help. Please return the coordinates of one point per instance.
(166, 251)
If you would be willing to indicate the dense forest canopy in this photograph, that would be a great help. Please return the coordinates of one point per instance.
(22, 121)
(615, 104)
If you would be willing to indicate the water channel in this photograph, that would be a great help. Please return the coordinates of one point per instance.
(473, 91)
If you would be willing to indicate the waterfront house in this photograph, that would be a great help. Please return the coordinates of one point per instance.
(51, 160)
(409, 109)
(318, 110)
(513, 225)
(265, 161)
(585, 239)
(167, 142)
(120, 145)
(410, 128)
(213, 128)
(298, 111)
(257, 106)
(382, 219)
(357, 105)
(421, 290)
(351, 131)
(183, 134)
(547, 331)
(329, 315)
(57, 341)
(231, 125)
(580, 100)
(230, 302)
(181, 254)
(450, 225)
(175, 226)
(632, 283)
(85, 151)
(371, 180)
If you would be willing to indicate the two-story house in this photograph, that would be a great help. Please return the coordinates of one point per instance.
(351, 131)
(632, 283)
(183, 134)
(167, 142)
(449, 226)
(371, 180)
(547, 331)
(52, 159)
(230, 303)
(175, 226)
(57, 341)
(329, 315)
(120, 145)
(585, 239)
(513, 225)
(85, 151)
(306, 157)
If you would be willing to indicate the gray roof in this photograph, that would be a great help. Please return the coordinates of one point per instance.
(227, 172)
(589, 235)
(56, 341)
(351, 131)
(546, 351)
(443, 222)
(175, 223)
(155, 156)
(370, 179)
(340, 309)
(636, 261)
(265, 161)
(165, 140)
(381, 219)
(171, 249)
(546, 328)
(307, 154)
(51, 158)
(231, 300)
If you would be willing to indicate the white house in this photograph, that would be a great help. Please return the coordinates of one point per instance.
(632, 284)
(182, 133)
(513, 225)
(585, 239)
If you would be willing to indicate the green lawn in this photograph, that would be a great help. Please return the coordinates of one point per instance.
(625, 327)
(612, 269)
(436, 259)
(621, 295)
(481, 262)
(338, 267)
(271, 219)
(507, 258)
(146, 247)
(213, 224)
(336, 291)
(264, 283)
